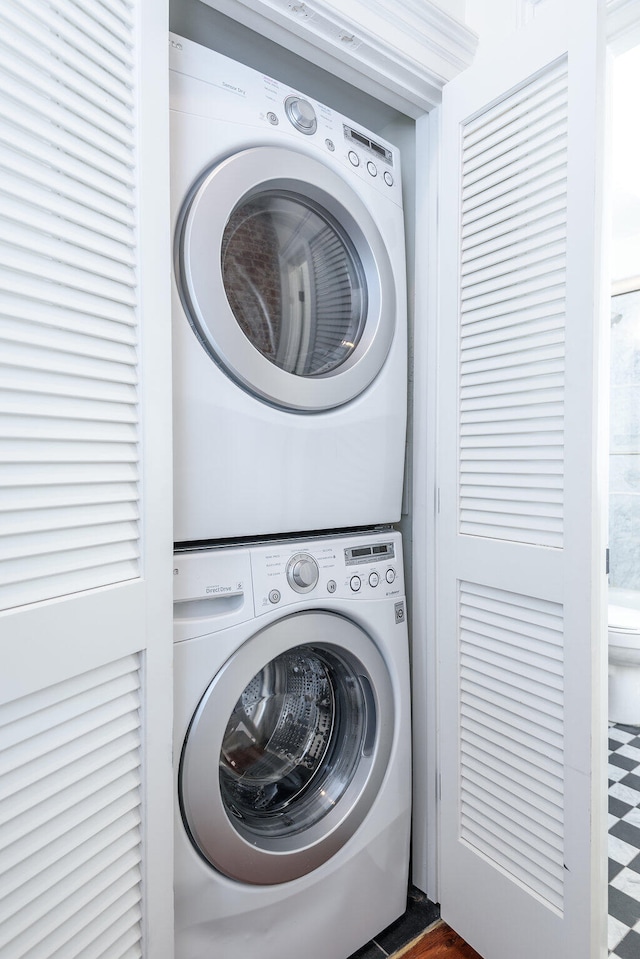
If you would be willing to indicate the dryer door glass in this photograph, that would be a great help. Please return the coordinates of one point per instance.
(293, 742)
(286, 279)
(294, 282)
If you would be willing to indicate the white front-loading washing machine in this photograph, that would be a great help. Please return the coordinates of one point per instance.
(289, 308)
(292, 747)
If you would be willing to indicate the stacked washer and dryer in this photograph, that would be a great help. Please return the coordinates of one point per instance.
(292, 709)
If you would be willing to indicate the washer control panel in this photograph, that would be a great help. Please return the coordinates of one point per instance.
(366, 567)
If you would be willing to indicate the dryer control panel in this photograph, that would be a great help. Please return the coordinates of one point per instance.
(365, 567)
(215, 86)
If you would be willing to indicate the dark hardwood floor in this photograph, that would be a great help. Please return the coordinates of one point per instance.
(440, 942)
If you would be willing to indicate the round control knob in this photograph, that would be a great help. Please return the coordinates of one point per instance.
(374, 579)
(301, 114)
(390, 575)
(355, 583)
(302, 572)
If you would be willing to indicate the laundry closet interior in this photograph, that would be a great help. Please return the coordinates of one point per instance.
(304, 365)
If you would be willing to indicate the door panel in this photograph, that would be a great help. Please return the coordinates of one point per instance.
(520, 629)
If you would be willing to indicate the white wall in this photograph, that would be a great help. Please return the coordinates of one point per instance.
(625, 167)
(493, 20)
(455, 8)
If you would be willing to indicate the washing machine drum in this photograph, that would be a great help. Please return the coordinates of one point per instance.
(275, 782)
(285, 279)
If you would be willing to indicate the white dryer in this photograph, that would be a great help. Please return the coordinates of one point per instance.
(289, 308)
(292, 746)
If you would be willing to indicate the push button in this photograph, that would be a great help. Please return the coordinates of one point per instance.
(274, 596)
(388, 179)
(355, 583)
(331, 586)
(354, 159)
(372, 168)
(374, 579)
(391, 575)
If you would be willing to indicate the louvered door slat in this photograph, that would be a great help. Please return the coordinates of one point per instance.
(519, 177)
(84, 816)
(122, 9)
(12, 500)
(42, 331)
(32, 112)
(526, 722)
(58, 198)
(26, 241)
(40, 221)
(544, 153)
(533, 130)
(125, 945)
(512, 664)
(29, 71)
(530, 263)
(68, 21)
(107, 22)
(69, 430)
(515, 302)
(69, 828)
(539, 331)
(15, 40)
(73, 363)
(537, 90)
(64, 789)
(96, 187)
(41, 27)
(124, 913)
(528, 238)
(42, 382)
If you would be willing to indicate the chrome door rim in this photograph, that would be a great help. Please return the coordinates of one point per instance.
(284, 858)
(199, 234)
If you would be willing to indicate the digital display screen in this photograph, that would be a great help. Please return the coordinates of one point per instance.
(359, 138)
(378, 149)
(361, 551)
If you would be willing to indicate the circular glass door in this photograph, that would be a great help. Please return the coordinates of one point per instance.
(294, 282)
(273, 783)
(285, 279)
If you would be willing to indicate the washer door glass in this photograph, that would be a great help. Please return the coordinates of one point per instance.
(294, 282)
(287, 749)
(285, 279)
(293, 742)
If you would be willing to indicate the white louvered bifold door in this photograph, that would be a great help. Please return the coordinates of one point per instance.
(85, 505)
(521, 566)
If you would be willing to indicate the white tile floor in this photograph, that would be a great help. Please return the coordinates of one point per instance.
(624, 842)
